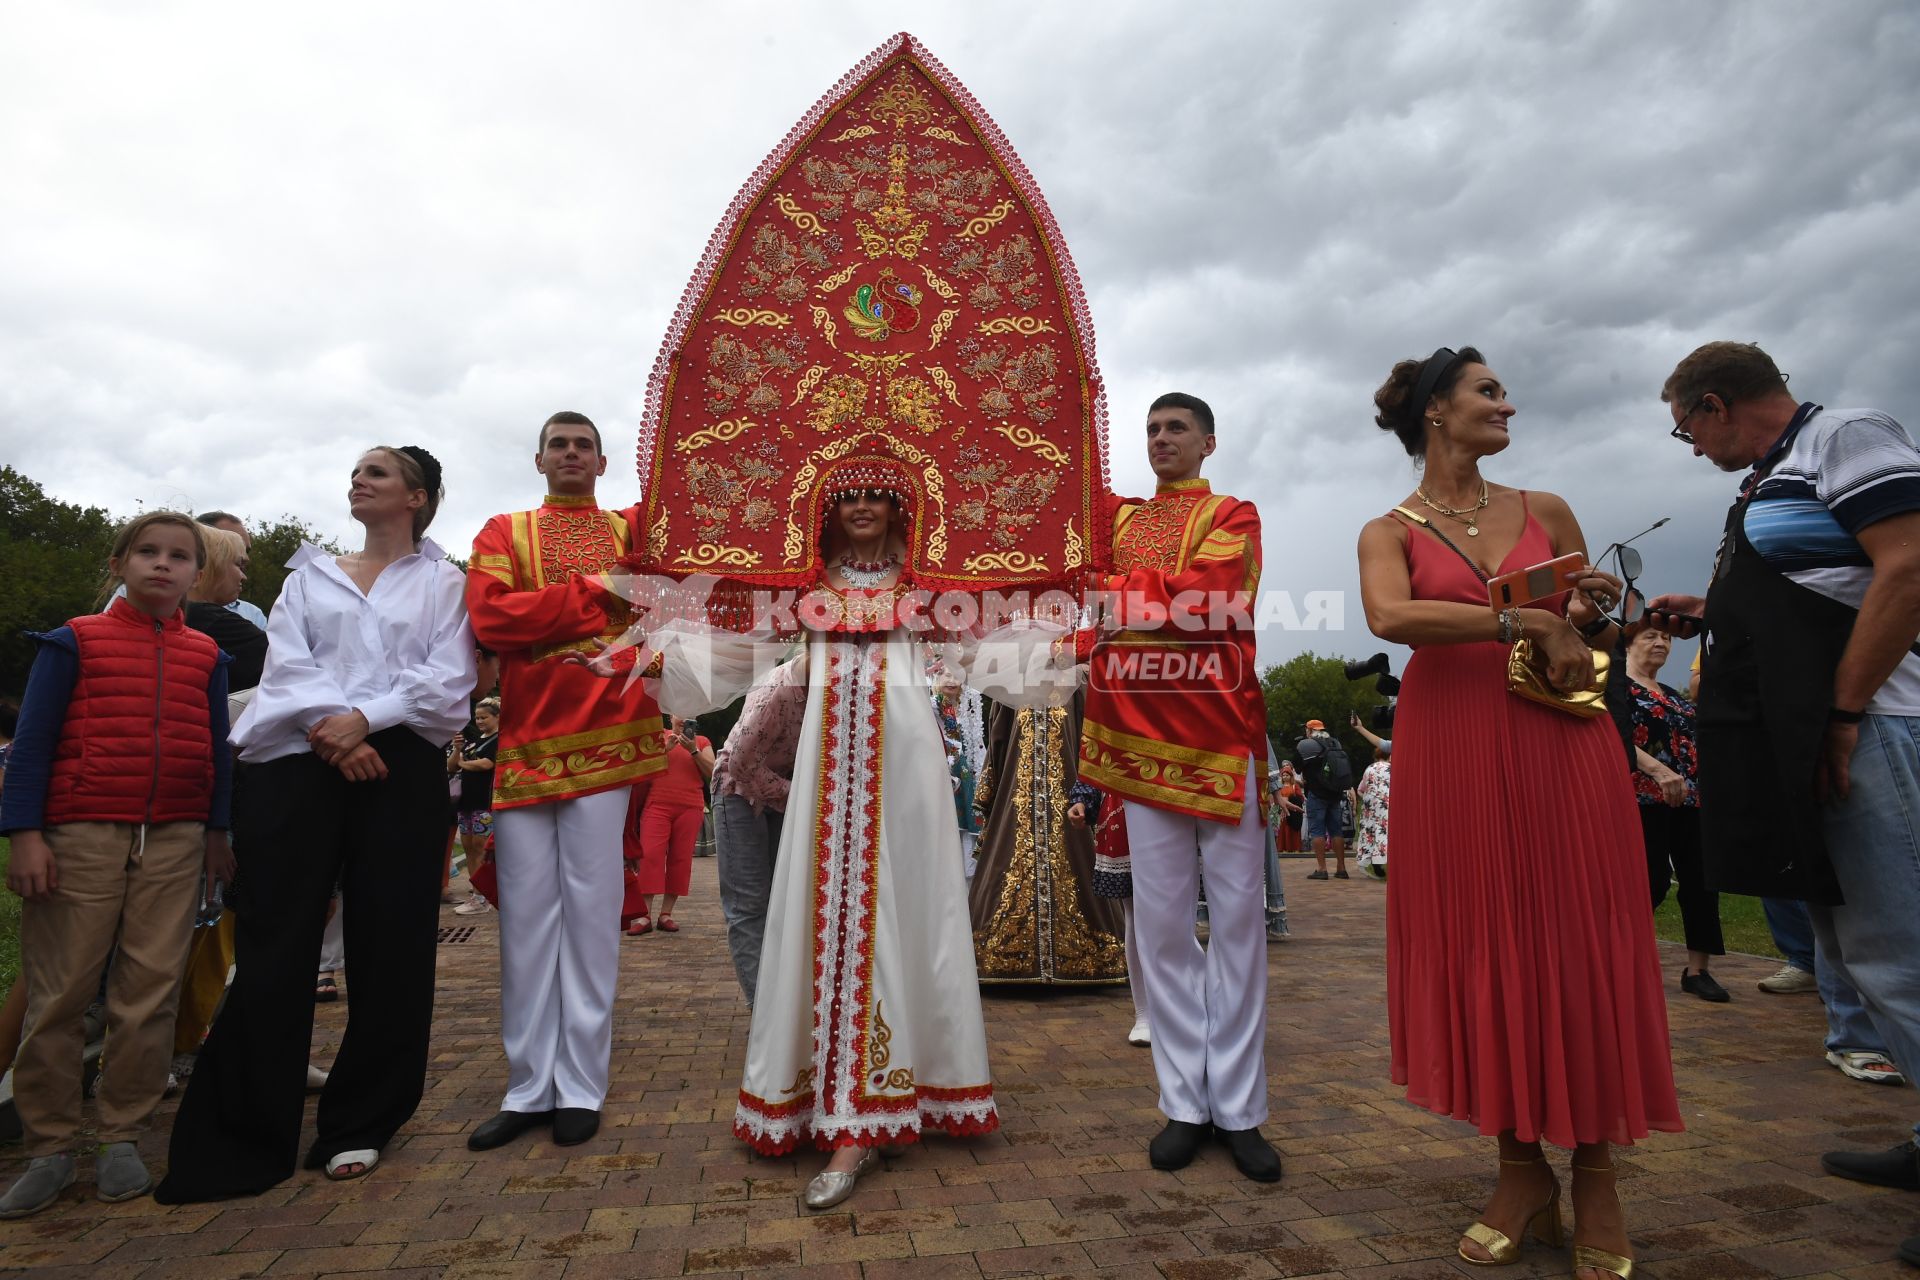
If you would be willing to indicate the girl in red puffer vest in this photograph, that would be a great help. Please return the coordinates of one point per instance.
(117, 794)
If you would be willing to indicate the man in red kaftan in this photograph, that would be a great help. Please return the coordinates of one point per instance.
(571, 747)
(1176, 728)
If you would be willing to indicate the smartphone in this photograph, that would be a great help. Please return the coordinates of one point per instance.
(1536, 582)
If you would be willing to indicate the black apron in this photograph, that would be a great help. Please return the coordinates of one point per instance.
(1766, 686)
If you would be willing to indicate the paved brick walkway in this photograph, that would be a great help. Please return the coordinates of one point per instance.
(1373, 1187)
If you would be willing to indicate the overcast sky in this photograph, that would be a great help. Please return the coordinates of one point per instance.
(240, 242)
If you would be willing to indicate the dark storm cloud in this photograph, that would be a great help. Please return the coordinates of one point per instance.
(244, 242)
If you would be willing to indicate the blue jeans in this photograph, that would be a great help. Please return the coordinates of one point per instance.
(747, 843)
(1848, 1026)
(1323, 818)
(1873, 836)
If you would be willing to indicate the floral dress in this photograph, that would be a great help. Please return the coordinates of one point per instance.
(1370, 842)
(1663, 728)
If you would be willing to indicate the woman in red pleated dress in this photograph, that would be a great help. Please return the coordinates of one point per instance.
(1523, 988)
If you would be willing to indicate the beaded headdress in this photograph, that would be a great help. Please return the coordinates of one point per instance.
(888, 303)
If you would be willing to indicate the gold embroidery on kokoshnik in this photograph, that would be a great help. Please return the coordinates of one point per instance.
(746, 316)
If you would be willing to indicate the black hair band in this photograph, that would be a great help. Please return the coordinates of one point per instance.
(1435, 368)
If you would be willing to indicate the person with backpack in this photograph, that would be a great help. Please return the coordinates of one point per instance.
(1327, 775)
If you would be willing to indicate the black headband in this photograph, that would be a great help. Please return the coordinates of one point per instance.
(1436, 367)
(429, 467)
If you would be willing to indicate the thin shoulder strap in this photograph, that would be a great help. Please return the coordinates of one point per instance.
(1453, 546)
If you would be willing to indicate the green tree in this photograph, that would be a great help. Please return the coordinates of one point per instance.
(1310, 687)
(274, 545)
(53, 559)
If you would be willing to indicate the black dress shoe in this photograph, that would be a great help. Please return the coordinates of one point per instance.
(505, 1127)
(1703, 985)
(1909, 1251)
(574, 1125)
(1175, 1146)
(1895, 1167)
(1253, 1155)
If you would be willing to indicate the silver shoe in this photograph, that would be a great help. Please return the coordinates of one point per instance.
(828, 1188)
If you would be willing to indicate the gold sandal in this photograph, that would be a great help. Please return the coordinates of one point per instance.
(1585, 1255)
(1545, 1223)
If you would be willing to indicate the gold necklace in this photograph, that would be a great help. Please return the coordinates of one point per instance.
(1471, 515)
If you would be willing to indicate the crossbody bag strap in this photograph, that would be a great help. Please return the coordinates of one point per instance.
(1434, 529)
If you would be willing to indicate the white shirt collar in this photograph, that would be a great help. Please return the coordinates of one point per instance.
(308, 552)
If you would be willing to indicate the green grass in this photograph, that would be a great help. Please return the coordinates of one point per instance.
(1742, 923)
(9, 924)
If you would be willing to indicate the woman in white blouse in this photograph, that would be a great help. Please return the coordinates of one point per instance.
(369, 666)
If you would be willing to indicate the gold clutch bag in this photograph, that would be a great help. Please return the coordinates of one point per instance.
(1527, 677)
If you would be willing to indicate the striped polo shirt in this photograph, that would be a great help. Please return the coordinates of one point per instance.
(1844, 470)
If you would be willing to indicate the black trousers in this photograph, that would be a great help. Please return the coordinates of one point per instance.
(1673, 855)
(300, 827)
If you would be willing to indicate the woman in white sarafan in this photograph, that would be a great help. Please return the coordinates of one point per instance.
(867, 1030)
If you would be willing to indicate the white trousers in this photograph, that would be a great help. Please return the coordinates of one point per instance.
(1207, 1007)
(333, 942)
(560, 893)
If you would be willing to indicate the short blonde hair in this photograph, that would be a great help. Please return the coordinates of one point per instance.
(488, 704)
(223, 548)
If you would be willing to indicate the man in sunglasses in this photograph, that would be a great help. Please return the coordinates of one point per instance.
(1810, 683)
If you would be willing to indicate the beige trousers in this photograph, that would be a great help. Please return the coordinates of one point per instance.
(124, 884)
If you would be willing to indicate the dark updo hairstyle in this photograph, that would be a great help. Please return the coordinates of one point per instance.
(418, 470)
(1401, 402)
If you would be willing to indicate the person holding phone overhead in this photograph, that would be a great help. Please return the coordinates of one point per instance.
(1523, 985)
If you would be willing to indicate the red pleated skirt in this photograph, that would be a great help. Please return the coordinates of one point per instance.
(1523, 985)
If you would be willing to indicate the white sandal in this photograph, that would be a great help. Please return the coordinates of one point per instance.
(365, 1159)
(1860, 1064)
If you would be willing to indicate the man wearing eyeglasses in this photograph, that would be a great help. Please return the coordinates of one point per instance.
(1810, 683)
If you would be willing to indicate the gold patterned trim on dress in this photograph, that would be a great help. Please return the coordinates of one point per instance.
(1038, 930)
(580, 783)
(571, 500)
(645, 731)
(1174, 777)
(526, 547)
(1144, 640)
(880, 1042)
(1110, 775)
(1212, 760)
(1183, 486)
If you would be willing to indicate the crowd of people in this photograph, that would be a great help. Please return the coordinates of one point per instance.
(174, 756)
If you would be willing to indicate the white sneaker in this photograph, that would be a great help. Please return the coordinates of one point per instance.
(1790, 982)
(1866, 1064)
(316, 1079)
(1140, 1035)
(475, 905)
